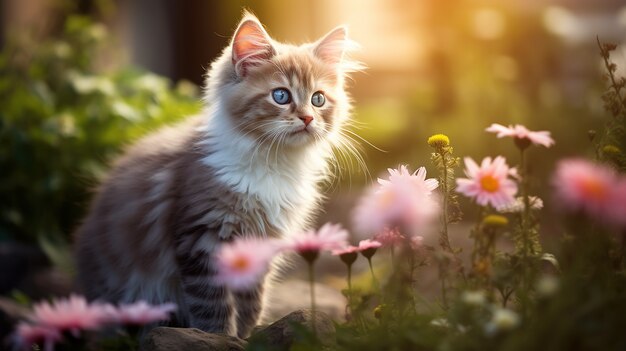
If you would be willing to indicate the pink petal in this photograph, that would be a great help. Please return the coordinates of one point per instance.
(471, 168)
(500, 129)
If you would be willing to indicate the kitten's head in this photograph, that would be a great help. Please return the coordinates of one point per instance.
(280, 94)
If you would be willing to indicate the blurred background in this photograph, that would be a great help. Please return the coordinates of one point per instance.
(81, 79)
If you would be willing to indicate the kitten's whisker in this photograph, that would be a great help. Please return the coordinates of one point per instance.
(236, 126)
(357, 155)
(348, 145)
(261, 141)
(357, 125)
(257, 127)
(269, 151)
(279, 144)
(364, 140)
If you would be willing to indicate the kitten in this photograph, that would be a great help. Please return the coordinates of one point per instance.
(249, 165)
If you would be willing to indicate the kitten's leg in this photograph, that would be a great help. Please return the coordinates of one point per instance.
(209, 304)
(248, 304)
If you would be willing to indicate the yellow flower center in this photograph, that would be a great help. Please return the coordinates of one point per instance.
(489, 183)
(594, 189)
(241, 264)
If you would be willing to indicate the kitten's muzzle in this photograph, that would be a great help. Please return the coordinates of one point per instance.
(306, 120)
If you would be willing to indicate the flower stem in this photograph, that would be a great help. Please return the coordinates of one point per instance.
(350, 305)
(350, 280)
(524, 229)
(312, 283)
(445, 240)
(374, 280)
(444, 291)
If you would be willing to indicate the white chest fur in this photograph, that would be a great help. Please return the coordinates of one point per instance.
(282, 181)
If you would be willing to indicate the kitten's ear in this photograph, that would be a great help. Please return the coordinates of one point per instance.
(332, 46)
(251, 45)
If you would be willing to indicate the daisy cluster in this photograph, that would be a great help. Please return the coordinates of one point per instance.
(494, 182)
(51, 323)
(244, 263)
(402, 200)
(581, 187)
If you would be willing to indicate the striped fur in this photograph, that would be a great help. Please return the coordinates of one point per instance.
(244, 167)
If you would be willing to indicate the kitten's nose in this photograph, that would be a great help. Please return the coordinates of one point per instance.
(306, 120)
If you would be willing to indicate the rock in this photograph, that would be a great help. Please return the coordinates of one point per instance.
(281, 334)
(291, 295)
(189, 339)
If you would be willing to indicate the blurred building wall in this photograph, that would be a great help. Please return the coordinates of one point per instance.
(403, 42)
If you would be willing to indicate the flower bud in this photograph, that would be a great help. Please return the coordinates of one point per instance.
(439, 141)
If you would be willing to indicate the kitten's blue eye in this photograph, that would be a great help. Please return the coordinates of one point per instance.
(318, 99)
(281, 96)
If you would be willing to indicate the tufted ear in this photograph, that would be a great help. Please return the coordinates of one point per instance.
(332, 46)
(251, 45)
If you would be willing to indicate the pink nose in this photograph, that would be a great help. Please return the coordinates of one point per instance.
(306, 119)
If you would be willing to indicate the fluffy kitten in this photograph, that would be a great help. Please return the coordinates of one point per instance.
(249, 165)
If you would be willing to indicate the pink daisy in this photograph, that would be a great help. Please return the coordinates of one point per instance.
(368, 247)
(594, 189)
(404, 200)
(369, 244)
(242, 264)
(348, 254)
(418, 179)
(522, 133)
(488, 184)
(346, 250)
(140, 313)
(73, 314)
(27, 335)
(328, 237)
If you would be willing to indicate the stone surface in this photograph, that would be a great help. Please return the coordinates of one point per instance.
(291, 295)
(189, 339)
(281, 334)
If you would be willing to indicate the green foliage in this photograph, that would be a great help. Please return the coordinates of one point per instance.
(582, 307)
(588, 305)
(611, 144)
(445, 163)
(63, 119)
